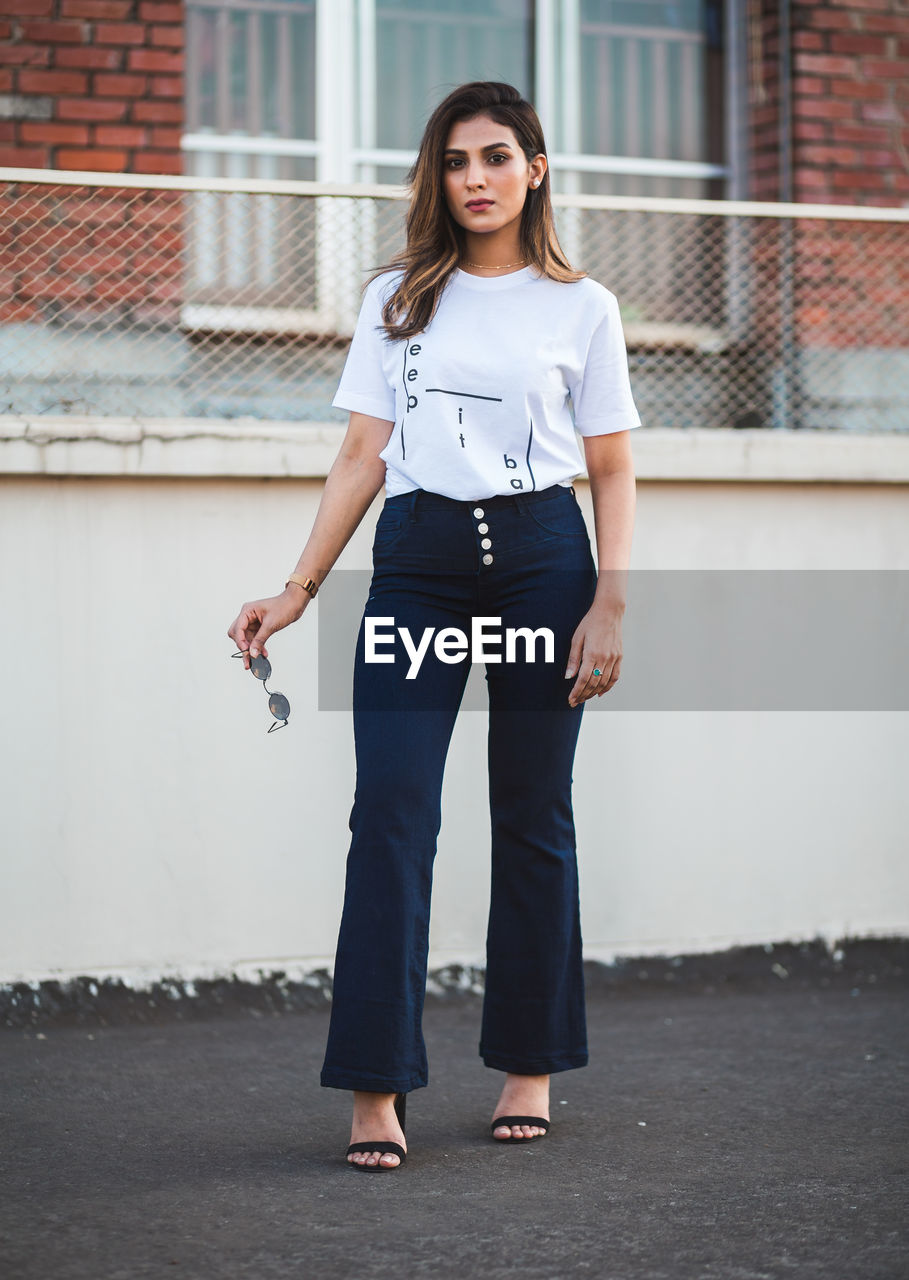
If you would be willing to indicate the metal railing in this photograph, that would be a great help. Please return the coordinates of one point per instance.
(134, 296)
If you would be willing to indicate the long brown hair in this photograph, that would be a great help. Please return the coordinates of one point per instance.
(435, 242)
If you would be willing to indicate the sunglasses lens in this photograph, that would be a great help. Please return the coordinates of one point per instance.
(260, 667)
(279, 706)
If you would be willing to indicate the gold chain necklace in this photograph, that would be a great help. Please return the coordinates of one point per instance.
(488, 268)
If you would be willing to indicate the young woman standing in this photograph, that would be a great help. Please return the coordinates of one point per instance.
(457, 381)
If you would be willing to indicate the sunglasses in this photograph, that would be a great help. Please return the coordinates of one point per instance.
(277, 703)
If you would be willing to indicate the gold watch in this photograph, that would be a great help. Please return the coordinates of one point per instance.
(306, 583)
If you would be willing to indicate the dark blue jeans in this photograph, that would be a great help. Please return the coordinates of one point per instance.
(526, 562)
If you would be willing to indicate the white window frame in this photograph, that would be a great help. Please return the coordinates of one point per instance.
(346, 109)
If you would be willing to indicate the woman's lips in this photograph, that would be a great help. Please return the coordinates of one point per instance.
(479, 205)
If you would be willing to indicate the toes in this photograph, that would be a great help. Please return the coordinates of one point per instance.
(390, 1159)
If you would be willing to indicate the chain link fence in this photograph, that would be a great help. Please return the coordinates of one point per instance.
(134, 297)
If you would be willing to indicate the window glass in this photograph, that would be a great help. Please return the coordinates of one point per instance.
(647, 80)
(425, 48)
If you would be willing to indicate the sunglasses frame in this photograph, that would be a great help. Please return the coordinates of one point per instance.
(278, 703)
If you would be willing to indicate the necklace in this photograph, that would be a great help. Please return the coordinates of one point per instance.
(485, 267)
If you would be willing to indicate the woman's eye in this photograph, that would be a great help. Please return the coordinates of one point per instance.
(450, 164)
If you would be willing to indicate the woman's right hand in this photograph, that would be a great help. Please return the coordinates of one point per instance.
(260, 619)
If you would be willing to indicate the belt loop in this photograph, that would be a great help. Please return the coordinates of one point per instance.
(520, 502)
(412, 504)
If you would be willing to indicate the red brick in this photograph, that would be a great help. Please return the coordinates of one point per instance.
(902, 48)
(886, 68)
(171, 36)
(24, 55)
(6, 30)
(95, 8)
(823, 109)
(829, 155)
(33, 131)
(120, 33)
(82, 260)
(166, 138)
(893, 24)
(120, 135)
(53, 82)
(26, 8)
(54, 32)
(113, 161)
(825, 16)
(162, 12)
(167, 86)
(807, 130)
(858, 179)
(878, 158)
(840, 42)
(6, 80)
(824, 64)
(158, 112)
(92, 59)
(870, 90)
(887, 111)
(804, 40)
(19, 311)
(88, 109)
(158, 162)
(809, 84)
(114, 86)
(865, 133)
(8, 131)
(24, 157)
(811, 178)
(154, 60)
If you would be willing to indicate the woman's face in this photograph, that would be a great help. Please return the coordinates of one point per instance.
(483, 162)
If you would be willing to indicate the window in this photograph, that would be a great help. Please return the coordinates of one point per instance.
(630, 94)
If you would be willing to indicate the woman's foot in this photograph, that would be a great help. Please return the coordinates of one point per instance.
(522, 1096)
(375, 1120)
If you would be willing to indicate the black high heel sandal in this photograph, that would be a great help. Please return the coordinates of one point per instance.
(391, 1148)
(534, 1122)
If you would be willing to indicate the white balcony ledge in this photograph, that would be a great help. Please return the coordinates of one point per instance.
(69, 445)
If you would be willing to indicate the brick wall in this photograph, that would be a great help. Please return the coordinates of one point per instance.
(91, 84)
(850, 101)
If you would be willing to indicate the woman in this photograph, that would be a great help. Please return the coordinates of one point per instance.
(457, 381)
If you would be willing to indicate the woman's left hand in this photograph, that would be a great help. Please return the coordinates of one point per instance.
(595, 646)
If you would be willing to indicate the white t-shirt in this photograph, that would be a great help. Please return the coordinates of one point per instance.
(480, 398)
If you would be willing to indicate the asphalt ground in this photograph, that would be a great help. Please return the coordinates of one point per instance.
(735, 1135)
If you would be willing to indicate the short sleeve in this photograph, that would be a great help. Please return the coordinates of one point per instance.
(364, 387)
(601, 398)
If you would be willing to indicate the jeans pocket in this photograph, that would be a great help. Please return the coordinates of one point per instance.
(561, 517)
(390, 526)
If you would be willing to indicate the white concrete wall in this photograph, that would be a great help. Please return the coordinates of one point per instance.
(151, 826)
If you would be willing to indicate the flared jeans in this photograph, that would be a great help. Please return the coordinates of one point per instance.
(522, 565)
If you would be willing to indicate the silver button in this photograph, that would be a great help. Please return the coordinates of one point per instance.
(486, 543)
(487, 559)
(479, 512)
(483, 528)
